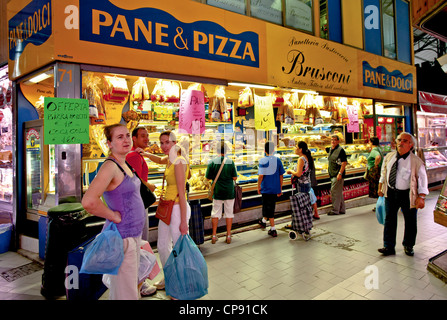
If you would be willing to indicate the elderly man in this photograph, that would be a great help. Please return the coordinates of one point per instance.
(404, 184)
(337, 162)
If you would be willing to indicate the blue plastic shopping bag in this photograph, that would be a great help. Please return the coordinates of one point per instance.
(380, 210)
(105, 254)
(186, 272)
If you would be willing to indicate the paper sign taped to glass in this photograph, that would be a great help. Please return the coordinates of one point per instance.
(192, 112)
(264, 116)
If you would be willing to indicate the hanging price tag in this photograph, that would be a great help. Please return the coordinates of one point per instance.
(264, 116)
(192, 112)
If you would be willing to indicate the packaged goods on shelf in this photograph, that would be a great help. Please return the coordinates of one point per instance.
(218, 105)
(115, 89)
(93, 93)
(140, 91)
(245, 98)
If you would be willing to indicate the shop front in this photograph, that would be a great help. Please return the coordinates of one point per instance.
(134, 63)
(432, 134)
(6, 148)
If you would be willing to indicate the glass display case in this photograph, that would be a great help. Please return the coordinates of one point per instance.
(432, 144)
(6, 141)
(39, 168)
(440, 212)
(234, 122)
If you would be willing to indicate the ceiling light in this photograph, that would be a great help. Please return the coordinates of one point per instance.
(40, 77)
(238, 84)
(304, 91)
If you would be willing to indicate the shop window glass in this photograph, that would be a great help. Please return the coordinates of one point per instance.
(269, 10)
(389, 42)
(324, 28)
(237, 6)
(299, 14)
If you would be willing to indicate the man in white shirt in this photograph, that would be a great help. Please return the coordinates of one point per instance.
(404, 184)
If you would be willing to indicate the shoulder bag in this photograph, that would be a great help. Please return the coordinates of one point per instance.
(164, 209)
(237, 198)
(146, 194)
(211, 190)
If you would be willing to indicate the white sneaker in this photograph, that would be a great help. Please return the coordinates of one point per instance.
(160, 285)
(306, 236)
(147, 289)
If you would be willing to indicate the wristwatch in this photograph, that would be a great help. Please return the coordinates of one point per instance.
(340, 173)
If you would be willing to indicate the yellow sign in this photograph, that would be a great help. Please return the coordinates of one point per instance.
(264, 116)
(299, 60)
(194, 39)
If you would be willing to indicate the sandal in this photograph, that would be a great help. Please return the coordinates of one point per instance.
(213, 239)
(228, 240)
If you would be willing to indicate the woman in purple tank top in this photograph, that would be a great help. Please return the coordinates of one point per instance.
(121, 191)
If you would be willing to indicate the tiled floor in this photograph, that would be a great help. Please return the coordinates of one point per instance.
(340, 262)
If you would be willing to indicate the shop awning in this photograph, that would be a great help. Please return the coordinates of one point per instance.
(431, 102)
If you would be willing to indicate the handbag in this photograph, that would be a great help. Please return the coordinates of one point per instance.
(105, 253)
(164, 209)
(185, 271)
(211, 190)
(147, 195)
(237, 198)
(365, 176)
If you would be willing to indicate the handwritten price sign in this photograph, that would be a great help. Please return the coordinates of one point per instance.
(66, 121)
(264, 116)
(192, 112)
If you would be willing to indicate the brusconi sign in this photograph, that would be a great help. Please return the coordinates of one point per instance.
(304, 64)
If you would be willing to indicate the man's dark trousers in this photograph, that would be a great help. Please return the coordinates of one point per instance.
(395, 200)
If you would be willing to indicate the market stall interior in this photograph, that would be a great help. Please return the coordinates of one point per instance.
(229, 115)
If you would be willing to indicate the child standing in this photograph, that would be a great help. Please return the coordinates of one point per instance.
(270, 182)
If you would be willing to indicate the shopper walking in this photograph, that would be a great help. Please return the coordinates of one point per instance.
(176, 173)
(403, 183)
(140, 139)
(302, 210)
(374, 166)
(223, 190)
(337, 162)
(270, 182)
(121, 191)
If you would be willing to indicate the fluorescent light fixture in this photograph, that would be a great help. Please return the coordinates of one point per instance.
(304, 91)
(40, 77)
(238, 84)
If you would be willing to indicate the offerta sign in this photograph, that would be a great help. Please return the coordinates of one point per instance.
(66, 121)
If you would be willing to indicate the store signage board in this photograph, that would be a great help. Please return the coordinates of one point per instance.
(30, 41)
(298, 60)
(190, 38)
(152, 29)
(192, 112)
(264, 115)
(66, 121)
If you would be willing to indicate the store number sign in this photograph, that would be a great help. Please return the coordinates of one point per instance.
(66, 121)
(192, 112)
